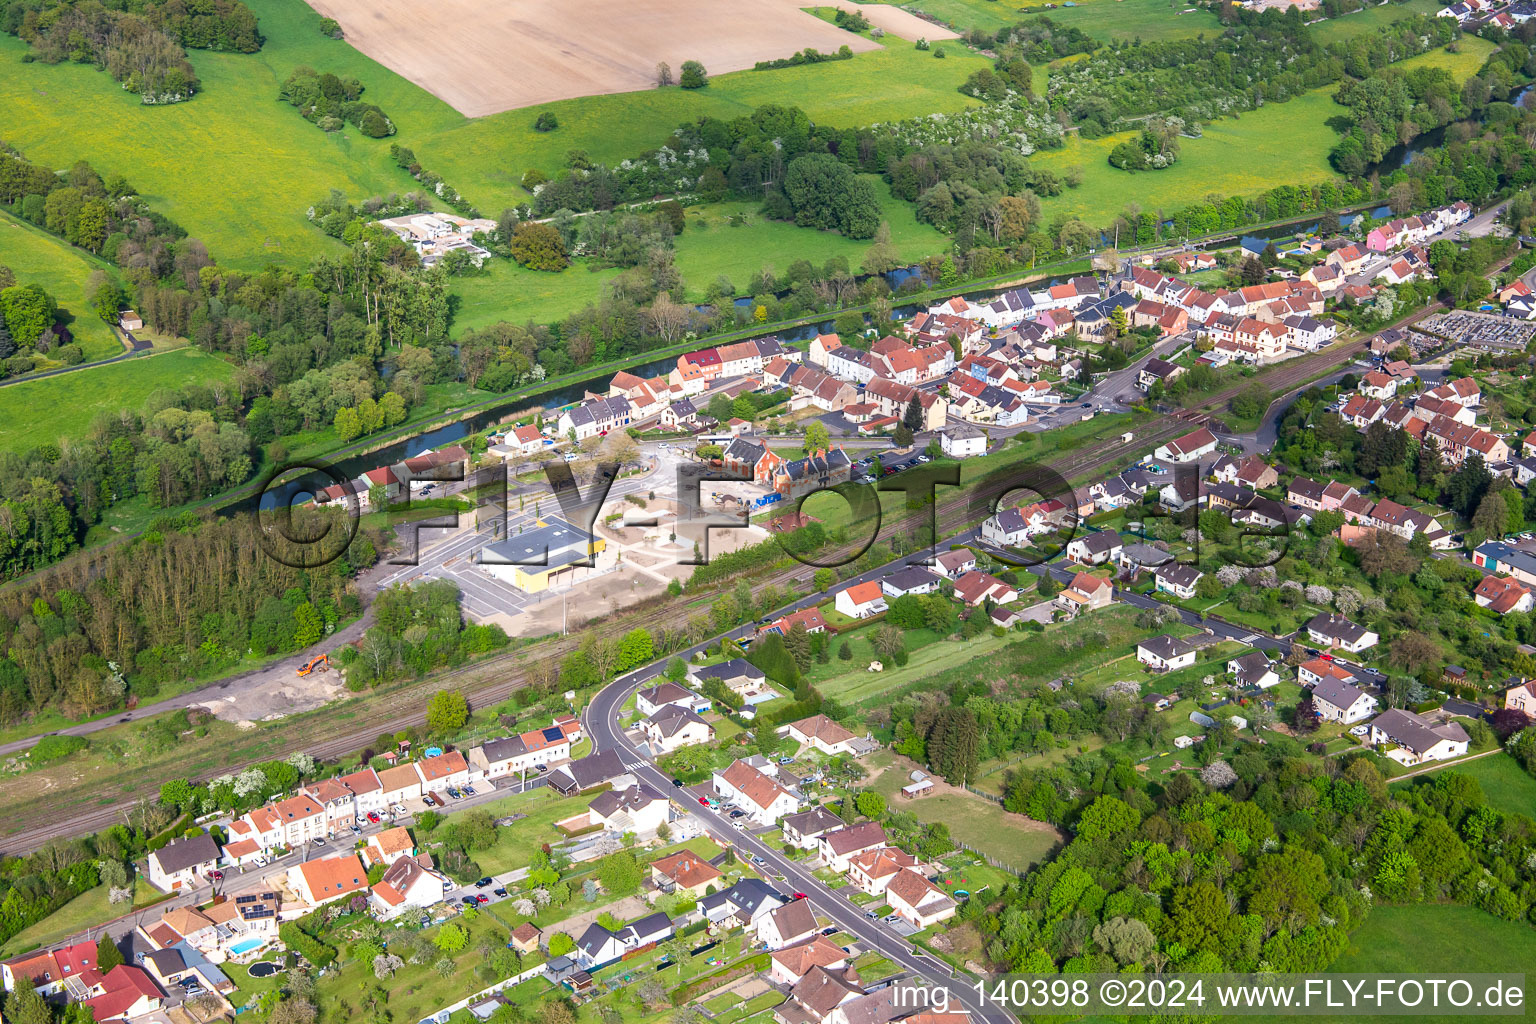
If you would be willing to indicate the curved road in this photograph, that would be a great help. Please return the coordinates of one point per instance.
(600, 720)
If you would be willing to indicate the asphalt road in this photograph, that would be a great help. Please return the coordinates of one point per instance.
(601, 721)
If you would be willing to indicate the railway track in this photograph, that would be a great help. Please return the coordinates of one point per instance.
(330, 736)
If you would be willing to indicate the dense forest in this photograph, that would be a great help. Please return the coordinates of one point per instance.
(138, 43)
(189, 598)
(1263, 860)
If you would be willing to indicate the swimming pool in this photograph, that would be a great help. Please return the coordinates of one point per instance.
(244, 947)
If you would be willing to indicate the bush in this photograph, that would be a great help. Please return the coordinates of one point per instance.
(693, 75)
(546, 122)
(70, 355)
(330, 27)
(54, 748)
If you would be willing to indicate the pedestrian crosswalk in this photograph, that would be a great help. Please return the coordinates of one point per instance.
(632, 765)
(1249, 639)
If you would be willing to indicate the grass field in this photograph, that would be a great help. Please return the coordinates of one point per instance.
(1010, 838)
(1505, 783)
(1422, 940)
(1336, 29)
(1235, 156)
(1470, 55)
(34, 412)
(88, 909)
(709, 247)
(36, 257)
(1146, 20)
(259, 164)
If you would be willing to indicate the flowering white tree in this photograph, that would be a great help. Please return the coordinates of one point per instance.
(1218, 775)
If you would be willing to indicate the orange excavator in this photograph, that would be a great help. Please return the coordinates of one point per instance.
(319, 663)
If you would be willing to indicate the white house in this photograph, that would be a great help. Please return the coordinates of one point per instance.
(1411, 739)
(183, 864)
(1095, 548)
(820, 732)
(405, 885)
(955, 564)
(861, 600)
(1338, 701)
(1165, 653)
(914, 579)
(803, 830)
(652, 699)
(1253, 669)
(759, 795)
(1337, 631)
(1175, 579)
(638, 809)
(962, 440)
(841, 845)
(673, 727)
(918, 901)
(1188, 448)
(784, 926)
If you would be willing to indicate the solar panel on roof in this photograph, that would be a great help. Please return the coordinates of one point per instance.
(553, 733)
(248, 898)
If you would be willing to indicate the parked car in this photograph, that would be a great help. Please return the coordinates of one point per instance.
(373, 816)
(482, 898)
(704, 801)
(318, 841)
(483, 882)
(468, 901)
(500, 890)
(758, 860)
(469, 790)
(678, 783)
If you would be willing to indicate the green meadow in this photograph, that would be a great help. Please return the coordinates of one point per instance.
(36, 257)
(41, 411)
(1335, 29)
(1281, 143)
(237, 167)
(1146, 20)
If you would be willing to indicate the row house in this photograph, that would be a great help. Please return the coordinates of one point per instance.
(1308, 333)
(938, 328)
(1325, 277)
(1349, 260)
(1167, 319)
(1463, 391)
(1428, 408)
(511, 755)
(1361, 412)
(818, 471)
(982, 403)
(1503, 594)
(1007, 310)
(891, 398)
(1396, 233)
(598, 416)
(347, 798)
(986, 369)
(1459, 440)
(1258, 342)
(905, 364)
(751, 459)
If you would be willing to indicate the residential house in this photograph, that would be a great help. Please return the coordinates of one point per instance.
(804, 830)
(388, 846)
(818, 471)
(820, 732)
(873, 870)
(1086, 593)
(918, 901)
(1188, 448)
(1338, 701)
(961, 441)
(588, 773)
(1094, 548)
(597, 947)
(954, 564)
(594, 417)
(786, 925)
(913, 580)
(837, 847)
(406, 885)
(638, 809)
(324, 879)
(742, 904)
(1503, 594)
(445, 771)
(1522, 697)
(1253, 670)
(1181, 494)
(788, 965)
(399, 784)
(1411, 739)
(1314, 671)
(183, 864)
(1337, 631)
(653, 698)
(740, 676)
(511, 755)
(861, 600)
(1176, 579)
(685, 872)
(760, 795)
(673, 727)
(525, 938)
(1157, 371)
(1165, 653)
(975, 588)
(124, 992)
(818, 994)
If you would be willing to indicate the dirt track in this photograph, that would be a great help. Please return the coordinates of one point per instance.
(485, 58)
